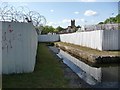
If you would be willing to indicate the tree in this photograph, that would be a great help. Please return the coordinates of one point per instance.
(78, 26)
(56, 31)
(101, 23)
(51, 29)
(107, 21)
(111, 20)
(47, 29)
(118, 18)
(59, 28)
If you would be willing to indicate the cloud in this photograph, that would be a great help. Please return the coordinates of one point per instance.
(92, 20)
(76, 12)
(23, 4)
(60, 0)
(83, 20)
(51, 10)
(58, 23)
(90, 13)
(88, 0)
(77, 20)
(51, 23)
(66, 21)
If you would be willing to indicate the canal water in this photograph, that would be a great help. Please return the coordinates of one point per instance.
(106, 76)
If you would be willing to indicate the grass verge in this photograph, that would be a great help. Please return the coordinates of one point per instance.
(90, 50)
(47, 74)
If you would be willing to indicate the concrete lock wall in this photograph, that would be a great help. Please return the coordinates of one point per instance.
(99, 39)
(94, 72)
(48, 38)
(0, 48)
(110, 40)
(19, 46)
(92, 39)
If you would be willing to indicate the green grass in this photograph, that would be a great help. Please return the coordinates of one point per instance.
(90, 50)
(47, 73)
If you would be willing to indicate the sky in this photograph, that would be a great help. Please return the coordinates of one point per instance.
(84, 13)
(59, 0)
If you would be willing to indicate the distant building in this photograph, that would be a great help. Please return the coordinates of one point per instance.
(70, 29)
(72, 23)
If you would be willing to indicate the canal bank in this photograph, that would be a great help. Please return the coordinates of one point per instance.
(88, 55)
(49, 73)
(74, 80)
(96, 77)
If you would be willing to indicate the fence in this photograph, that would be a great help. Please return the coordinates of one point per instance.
(0, 49)
(110, 40)
(19, 45)
(99, 39)
(48, 38)
(102, 27)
